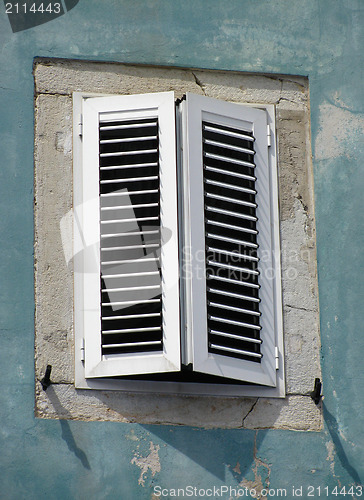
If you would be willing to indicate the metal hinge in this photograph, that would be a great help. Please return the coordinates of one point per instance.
(80, 126)
(82, 349)
(277, 358)
(269, 137)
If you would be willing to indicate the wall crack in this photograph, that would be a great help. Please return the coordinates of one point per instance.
(199, 83)
(251, 409)
(259, 483)
(299, 308)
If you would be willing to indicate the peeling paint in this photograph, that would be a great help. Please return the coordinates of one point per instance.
(131, 436)
(331, 455)
(237, 468)
(63, 142)
(336, 126)
(259, 483)
(151, 462)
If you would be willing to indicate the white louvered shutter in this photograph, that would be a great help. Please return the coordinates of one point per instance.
(228, 241)
(129, 218)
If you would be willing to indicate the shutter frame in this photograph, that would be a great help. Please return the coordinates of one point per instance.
(194, 110)
(87, 285)
(99, 379)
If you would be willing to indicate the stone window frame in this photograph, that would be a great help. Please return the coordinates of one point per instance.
(55, 80)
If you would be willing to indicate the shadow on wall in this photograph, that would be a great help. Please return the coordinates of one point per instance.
(214, 450)
(67, 435)
(333, 429)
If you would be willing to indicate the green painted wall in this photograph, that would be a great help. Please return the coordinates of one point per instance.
(323, 39)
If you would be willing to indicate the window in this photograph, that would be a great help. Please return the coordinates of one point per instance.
(176, 244)
(155, 397)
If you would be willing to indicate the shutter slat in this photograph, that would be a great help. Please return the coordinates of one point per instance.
(130, 179)
(141, 205)
(233, 174)
(232, 268)
(144, 287)
(132, 247)
(132, 165)
(235, 295)
(129, 126)
(231, 200)
(236, 323)
(232, 254)
(111, 235)
(235, 351)
(139, 219)
(129, 139)
(131, 316)
(228, 146)
(128, 153)
(229, 160)
(131, 302)
(132, 330)
(124, 275)
(130, 193)
(234, 281)
(127, 261)
(237, 337)
(231, 213)
(232, 226)
(131, 344)
(224, 131)
(231, 186)
(231, 240)
(236, 309)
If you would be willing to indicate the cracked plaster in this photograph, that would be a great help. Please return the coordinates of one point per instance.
(259, 483)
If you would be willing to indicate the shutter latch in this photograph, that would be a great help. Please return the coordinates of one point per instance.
(46, 380)
(316, 393)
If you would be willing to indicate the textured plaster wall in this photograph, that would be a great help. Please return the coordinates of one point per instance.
(72, 459)
(54, 83)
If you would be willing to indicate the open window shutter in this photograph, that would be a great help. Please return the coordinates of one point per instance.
(130, 296)
(230, 290)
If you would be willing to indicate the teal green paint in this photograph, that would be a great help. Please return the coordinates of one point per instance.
(323, 39)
